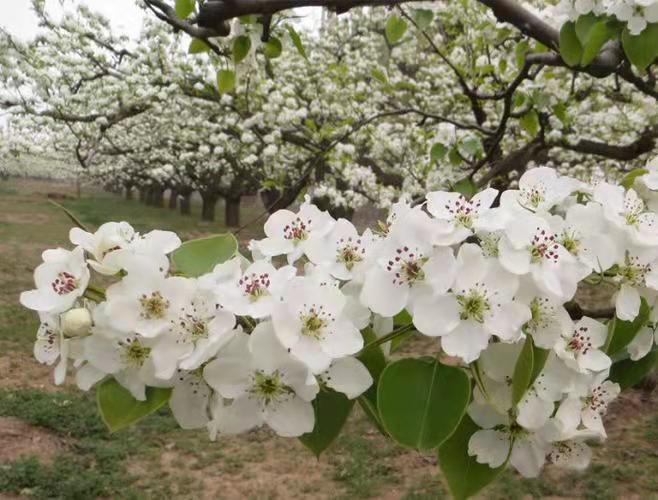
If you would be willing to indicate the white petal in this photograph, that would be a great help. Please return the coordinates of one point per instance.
(291, 418)
(189, 401)
(627, 303)
(349, 376)
(489, 447)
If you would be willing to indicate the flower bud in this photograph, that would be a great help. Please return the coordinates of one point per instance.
(76, 322)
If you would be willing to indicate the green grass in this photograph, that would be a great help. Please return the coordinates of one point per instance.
(18, 326)
(94, 464)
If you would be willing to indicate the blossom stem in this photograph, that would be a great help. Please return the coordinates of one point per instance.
(389, 336)
(96, 290)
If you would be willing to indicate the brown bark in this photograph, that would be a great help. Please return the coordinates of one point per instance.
(232, 212)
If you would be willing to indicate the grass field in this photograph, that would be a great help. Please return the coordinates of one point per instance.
(53, 445)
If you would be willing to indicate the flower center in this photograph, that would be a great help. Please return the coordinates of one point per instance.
(255, 286)
(570, 241)
(543, 246)
(134, 353)
(297, 230)
(269, 388)
(407, 266)
(474, 305)
(534, 196)
(580, 341)
(463, 211)
(489, 244)
(314, 322)
(597, 401)
(634, 272)
(154, 306)
(633, 208)
(541, 314)
(350, 252)
(64, 283)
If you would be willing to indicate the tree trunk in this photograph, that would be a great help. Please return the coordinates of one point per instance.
(186, 204)
(150, 195)
(232, 212)
(129, 192)
(274, 200)
(158, 197)
(142, 195)
(208, 206)
(173, 199)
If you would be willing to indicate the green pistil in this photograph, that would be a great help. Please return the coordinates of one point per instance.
(349, 256)
(312, 326)
(474, 306)
(135, 353)
(269, 387)
(465, 220)
(569, 242)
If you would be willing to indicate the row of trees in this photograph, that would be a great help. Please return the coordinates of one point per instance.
(380, 102)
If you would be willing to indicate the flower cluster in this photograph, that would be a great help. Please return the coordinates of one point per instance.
(254, 342)
(637, 14)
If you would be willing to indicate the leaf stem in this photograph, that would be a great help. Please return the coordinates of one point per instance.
(388, 337)
(97, 290)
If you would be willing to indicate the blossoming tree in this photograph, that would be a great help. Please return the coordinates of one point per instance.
(305, 324)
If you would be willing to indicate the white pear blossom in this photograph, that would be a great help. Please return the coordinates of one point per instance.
(407, 267)
(289, 233)
(265, 384)
(529, 246)
(588, 404)
(196, 332)
(61, 280)
(311, 322)
(342, 250)
(481, 305)
(255, 291)
(458, 217)
(145, 302)
(628, 212)
(580, 347)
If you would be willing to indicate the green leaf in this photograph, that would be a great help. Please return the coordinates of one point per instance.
(530, 122)
(438, 152)
(331, 410)
(374, 360)
(466, 187)
(627, 373)
(597, 36)
(465, 476)
(272, 48)
(523, 371)
(539, 357)
(198, 46)
(629, 178)
(472, 146)
(560, 111)
(225, 80)
(571, 49)
(297, 41)
(520, 51)
(184, 8)
(423, 17)
(241, 46)
(622, 333)
(196, 257)
(641, 49)
(395, 29)
(584, 25)
(119, 408)
(379, 76)
(422, 401)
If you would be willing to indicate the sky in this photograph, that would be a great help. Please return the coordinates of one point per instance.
(124, 15)
(19, 19)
